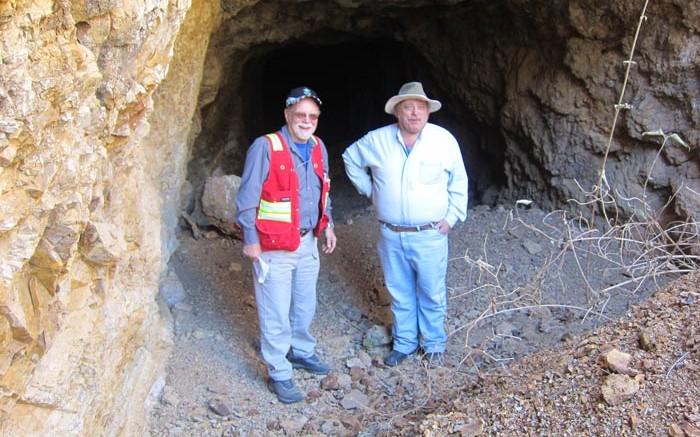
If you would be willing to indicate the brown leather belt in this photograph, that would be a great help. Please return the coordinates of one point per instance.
(396, 228)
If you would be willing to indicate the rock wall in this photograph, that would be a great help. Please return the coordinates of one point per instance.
(548, 75)
(561, 89)
(529, 88)
(82, 340)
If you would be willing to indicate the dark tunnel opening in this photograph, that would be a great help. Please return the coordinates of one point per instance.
(354, 80)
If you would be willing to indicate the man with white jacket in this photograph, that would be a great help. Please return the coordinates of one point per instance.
(414, 173)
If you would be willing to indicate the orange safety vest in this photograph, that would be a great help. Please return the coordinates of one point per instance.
(277, 220)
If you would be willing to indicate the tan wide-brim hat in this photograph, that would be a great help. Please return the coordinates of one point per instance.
(411, 90)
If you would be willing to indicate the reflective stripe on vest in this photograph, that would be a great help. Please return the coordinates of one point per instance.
(275, 142)
(279, 211)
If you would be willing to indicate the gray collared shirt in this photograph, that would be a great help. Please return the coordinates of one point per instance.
(255, 172)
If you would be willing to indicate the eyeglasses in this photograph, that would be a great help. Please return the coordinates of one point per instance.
(300, 116)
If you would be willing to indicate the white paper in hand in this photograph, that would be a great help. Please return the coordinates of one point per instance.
(261, 268)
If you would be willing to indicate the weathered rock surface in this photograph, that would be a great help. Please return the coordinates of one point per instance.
(218, 202)
(618, 388)
(82, 342)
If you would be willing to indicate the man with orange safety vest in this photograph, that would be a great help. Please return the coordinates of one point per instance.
(283, 207)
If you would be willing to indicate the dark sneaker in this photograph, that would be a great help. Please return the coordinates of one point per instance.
(311, 364)
(286, 391)
(434, 359)
(394, 358)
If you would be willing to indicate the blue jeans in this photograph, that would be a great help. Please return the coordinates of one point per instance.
(415, 270)
(286, 303)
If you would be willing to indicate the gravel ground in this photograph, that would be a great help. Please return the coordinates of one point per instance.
(535, 347)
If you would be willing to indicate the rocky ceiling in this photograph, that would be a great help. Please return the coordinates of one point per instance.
(527, 86)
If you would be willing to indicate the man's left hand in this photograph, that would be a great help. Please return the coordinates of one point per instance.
(443, 227)
(331, 240)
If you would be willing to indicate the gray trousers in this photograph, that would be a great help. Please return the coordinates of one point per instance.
(286, 303)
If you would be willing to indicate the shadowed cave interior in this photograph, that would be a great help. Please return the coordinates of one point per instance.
(354, 78)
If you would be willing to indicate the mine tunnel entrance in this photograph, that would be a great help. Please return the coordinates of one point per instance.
(354, 79)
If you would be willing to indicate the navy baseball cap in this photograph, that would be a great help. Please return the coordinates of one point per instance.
(299, 93)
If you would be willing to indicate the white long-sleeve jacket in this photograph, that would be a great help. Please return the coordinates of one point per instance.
(428, 184)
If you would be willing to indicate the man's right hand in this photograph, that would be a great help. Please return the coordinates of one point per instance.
(252, 251)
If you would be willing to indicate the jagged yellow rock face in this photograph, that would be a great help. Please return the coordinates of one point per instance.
(81, 338)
